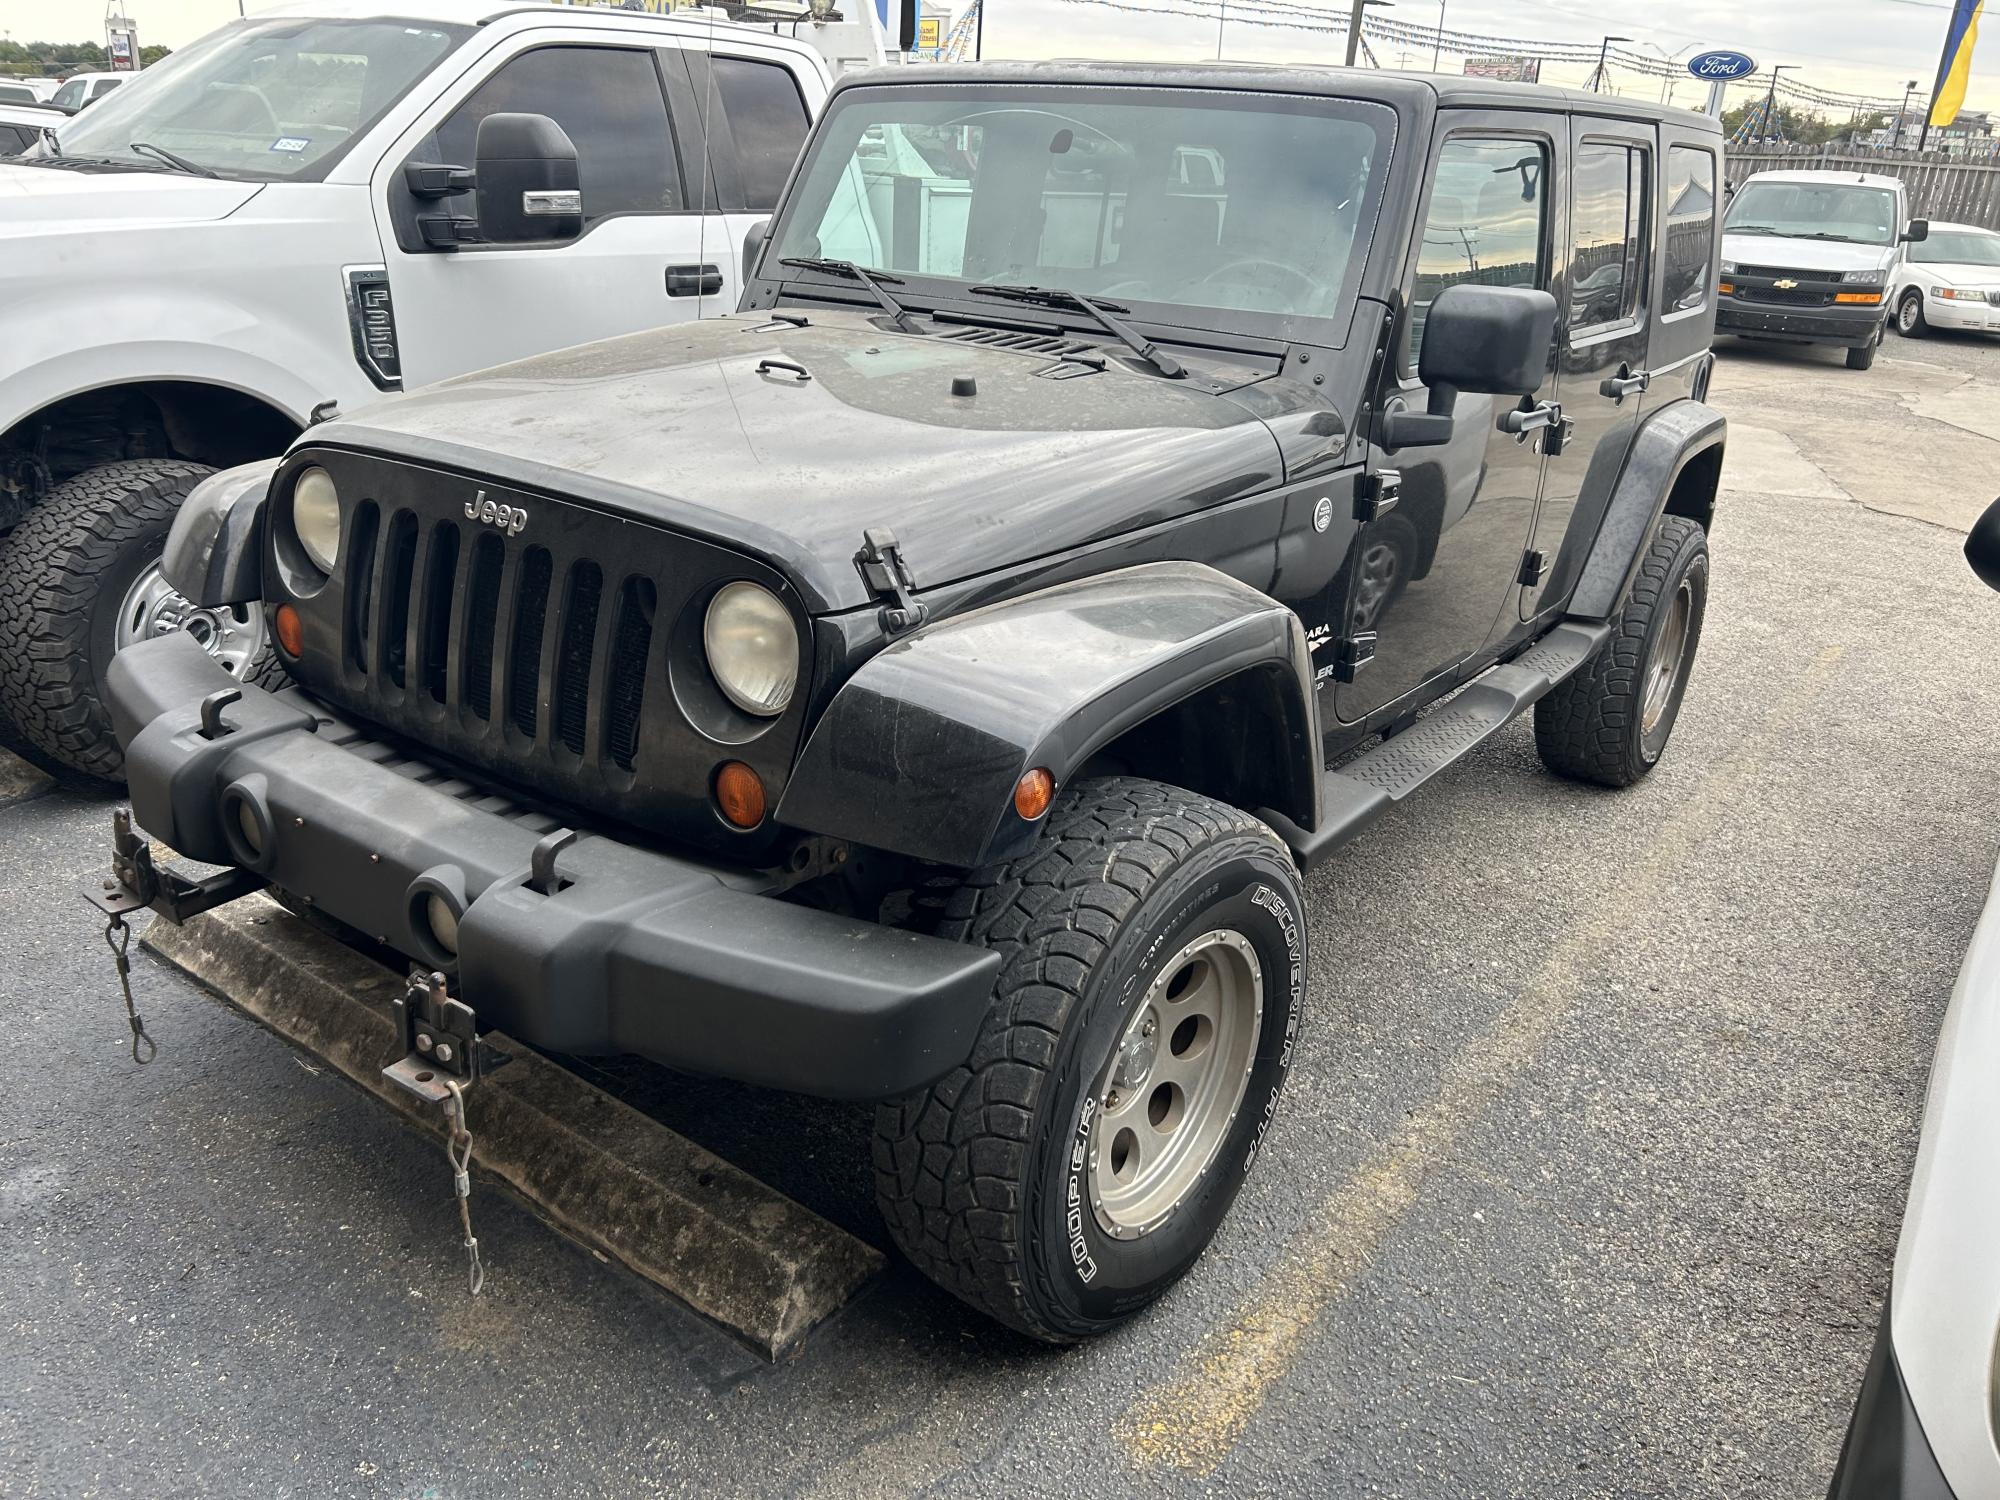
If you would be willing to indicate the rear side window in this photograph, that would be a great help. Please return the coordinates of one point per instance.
(16, 93)
(1484, 227)
(609, 102)
(1608, 210)
(1689, 201)
(767, 117)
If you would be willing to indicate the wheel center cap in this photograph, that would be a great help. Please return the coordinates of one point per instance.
(1135, 1061)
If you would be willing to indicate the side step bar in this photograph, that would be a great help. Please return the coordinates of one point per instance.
(1364, 788)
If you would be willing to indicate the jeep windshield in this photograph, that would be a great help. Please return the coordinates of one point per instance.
(1814, 211)
(1228, 212)
(260, 100)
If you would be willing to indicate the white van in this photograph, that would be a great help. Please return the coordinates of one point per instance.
(281, 220)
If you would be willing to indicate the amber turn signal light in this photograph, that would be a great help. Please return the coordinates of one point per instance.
(739, 793)
(1033, 793)
(1863, 297)
(291, 630)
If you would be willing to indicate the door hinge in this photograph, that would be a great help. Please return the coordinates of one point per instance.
(1375, 495)
(888, 577)
(1351, 653)
(1534, 568)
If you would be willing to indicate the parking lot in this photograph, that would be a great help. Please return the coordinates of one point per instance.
(1586, 1183)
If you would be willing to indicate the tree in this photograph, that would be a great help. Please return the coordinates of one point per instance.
(1795, 125)
(28, 59)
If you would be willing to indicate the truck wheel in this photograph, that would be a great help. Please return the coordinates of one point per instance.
(80, 578)
(1154, 947)
(1862, 358)
(1609, 722)
(1910, 314)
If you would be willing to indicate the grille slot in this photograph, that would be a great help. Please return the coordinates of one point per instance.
(441, 575)
(625, 693)
(1779, 273)
(482, 611)
(1015, 339)
(531, 610)
(398, 564)
(361, 568)
(579, 633)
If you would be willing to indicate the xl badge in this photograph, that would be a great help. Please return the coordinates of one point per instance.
(509, 518)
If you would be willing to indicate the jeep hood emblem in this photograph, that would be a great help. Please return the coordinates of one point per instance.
(508, 518)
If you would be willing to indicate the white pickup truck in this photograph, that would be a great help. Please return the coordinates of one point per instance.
(282, 218)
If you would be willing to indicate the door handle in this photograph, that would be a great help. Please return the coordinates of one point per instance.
(693, 281)
(1524, 418)
(1627, 382)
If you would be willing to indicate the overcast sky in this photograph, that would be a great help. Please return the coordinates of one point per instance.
(1854, 46)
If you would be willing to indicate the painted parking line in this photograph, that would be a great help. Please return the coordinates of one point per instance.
(1196, 1417)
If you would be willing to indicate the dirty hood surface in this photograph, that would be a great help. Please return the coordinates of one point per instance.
(58, 200)
(680, 426)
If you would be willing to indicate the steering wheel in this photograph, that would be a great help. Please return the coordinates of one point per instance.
(1301, 279)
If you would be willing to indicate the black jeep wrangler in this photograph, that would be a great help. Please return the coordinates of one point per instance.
(929, 684)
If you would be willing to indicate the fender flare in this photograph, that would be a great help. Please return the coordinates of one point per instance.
(920, 750)
(1667, 441)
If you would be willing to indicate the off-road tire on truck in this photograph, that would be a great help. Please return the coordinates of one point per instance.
(1139, 901)
(1609, 722)
(65, 572)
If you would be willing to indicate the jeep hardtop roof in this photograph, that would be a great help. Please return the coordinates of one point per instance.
(1411, 90)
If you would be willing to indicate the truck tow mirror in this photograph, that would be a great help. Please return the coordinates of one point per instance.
(528, 184)
(1982, 546)
(1920, 229)
(1492, 340)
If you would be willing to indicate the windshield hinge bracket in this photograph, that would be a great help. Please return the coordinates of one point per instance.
(888, 577)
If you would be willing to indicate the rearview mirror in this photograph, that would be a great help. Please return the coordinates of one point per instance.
(1982, 546)
(1491, 340)
(528, 185)
(1920, 229)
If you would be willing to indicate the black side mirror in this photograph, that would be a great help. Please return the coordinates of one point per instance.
(753, 247)
(1491, 340)
(1982, 546)
(1919, 229)
(528, 184)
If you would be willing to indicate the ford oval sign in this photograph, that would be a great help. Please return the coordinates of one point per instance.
(1721, 67)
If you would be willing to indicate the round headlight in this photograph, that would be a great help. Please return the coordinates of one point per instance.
(316, 517)
(753, 648)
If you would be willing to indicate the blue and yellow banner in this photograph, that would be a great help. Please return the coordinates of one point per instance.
(1955, 67)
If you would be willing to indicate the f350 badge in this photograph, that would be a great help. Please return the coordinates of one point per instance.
(509, 518)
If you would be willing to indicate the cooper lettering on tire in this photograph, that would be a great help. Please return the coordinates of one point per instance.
(1128, 1067)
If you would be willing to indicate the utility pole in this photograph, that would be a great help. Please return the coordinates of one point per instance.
(1438, 41)
(1903, 110)
(1603, 52)
(1771, 98)
(1354, 26)
(1221, 20)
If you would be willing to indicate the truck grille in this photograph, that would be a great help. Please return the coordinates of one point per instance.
(1778, 273)
(1797, 296)
(548, 657)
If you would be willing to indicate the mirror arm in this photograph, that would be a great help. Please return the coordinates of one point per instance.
(1429, 428)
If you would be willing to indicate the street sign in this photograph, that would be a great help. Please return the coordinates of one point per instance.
(1721, 67)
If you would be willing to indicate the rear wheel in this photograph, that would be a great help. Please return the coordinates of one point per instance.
(1154, 950)
(1910, 314)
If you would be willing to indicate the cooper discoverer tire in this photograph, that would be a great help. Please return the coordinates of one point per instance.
(1609, 722)
(1140, 911)
(65, 573)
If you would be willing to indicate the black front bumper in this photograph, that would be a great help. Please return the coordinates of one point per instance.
(1886, 1456)
(1855, 327)
(694, 965)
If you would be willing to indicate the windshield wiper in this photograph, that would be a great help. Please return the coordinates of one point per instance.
(898, 314)
(1052, 296)
(1748, 229)
(178, 163)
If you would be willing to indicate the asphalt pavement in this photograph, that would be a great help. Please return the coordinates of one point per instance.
(1586, 1182)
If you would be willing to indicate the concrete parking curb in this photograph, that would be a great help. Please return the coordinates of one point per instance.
(731, 1248)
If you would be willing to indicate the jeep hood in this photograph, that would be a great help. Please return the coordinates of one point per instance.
(48, 200)
(699, 428)
(1803, 255)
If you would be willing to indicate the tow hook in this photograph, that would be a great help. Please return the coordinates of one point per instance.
(134, 883)
(443, 1056)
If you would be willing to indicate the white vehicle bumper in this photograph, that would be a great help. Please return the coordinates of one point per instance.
(1981, 317)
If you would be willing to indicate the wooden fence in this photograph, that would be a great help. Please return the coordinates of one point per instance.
(1940, 187)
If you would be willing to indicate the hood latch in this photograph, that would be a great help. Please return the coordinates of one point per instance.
(888, 577)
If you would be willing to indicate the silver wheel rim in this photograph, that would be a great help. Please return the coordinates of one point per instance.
(1906, 317)
(1176, 1082)
(231, 633)
(1375, 581)
(1666, 668)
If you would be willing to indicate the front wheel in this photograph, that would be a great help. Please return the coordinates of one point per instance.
(1862, 358)
(1154, 958)
(1910, 314)
(80, 580)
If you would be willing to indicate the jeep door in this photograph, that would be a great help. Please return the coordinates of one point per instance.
(1434, 576)
(1604, 306)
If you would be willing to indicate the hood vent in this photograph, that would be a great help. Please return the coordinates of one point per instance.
(1011, 338)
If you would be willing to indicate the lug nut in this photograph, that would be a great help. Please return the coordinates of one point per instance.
(1152, 1025)
(1111, 1100)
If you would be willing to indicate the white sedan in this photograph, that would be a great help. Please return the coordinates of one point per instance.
(1950, 280)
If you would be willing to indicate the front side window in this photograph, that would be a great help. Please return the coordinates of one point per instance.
(608, 101)
(1960, 247)
(263, 100)
(1489, 203)
(1607, 211)
(72, 95)
(767, 119)
(1814, 211)
(1689, 206)
(1197, 208)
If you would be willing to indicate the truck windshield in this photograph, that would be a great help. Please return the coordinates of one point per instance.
(1232, 211)
(1814, 211)
(269, 100)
